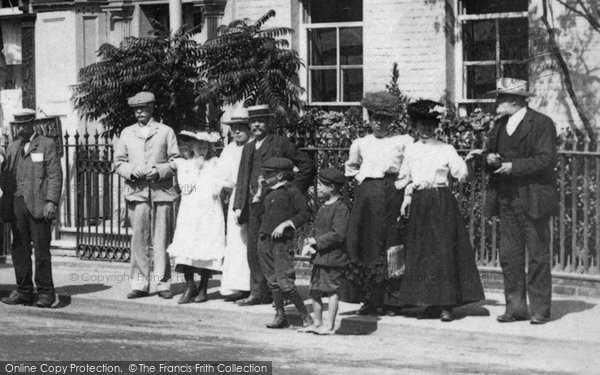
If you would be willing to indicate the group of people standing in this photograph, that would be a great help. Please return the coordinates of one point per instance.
(403, 198)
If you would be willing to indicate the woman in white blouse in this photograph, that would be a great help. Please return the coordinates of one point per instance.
(374, 162)
(441, 271)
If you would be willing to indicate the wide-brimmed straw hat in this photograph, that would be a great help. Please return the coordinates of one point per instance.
(210, 137)
(239, 116)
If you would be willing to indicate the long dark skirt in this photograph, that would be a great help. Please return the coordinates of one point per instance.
(372, 229)
(440, 261)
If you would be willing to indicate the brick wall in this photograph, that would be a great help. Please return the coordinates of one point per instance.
(410, 33)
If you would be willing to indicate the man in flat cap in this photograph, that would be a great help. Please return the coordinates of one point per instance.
(32, 179)
(144, 157)
(521, 159)
(265, 145)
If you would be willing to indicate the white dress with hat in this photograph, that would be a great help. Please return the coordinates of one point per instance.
(199, 239)
(236, 272)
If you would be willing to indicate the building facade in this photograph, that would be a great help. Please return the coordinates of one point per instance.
(451, 50)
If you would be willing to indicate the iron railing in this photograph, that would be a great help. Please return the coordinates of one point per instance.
(94, 209)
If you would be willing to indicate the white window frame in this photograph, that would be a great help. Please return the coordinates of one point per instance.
(461, 64)
(306, 25)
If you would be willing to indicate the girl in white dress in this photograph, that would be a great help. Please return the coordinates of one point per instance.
(199, 242)
(235, 282)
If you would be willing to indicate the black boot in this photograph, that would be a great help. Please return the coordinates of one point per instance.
(190, 292)
(203, 288)
(279, 321)
(297, 300)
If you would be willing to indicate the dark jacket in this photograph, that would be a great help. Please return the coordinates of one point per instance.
(282, 204)
(273, 146)
(43, 177)
(330, 227)
(533, 171)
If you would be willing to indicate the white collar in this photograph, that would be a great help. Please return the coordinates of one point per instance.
(518, 116)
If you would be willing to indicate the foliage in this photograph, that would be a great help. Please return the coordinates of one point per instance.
(248, 63)
(163, 64)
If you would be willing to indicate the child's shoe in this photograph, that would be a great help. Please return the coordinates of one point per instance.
(279, 322)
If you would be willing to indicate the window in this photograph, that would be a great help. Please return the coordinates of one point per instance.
(11, 68)
(334, 36)
(495, 43)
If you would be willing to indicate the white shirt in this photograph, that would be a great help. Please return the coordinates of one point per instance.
(430, 163)
(372, 157)
(258, 143)
(28, 143)
(144, 129)
(514, 120)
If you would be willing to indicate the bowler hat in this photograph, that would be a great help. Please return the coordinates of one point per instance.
(262, 110)
(511, 86)
(332, 176)
(141, 98)
(24, 116)
(278, 165)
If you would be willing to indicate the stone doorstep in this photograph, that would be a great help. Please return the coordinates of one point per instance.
(563, 283)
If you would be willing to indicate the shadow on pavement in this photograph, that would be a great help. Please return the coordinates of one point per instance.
(561, 308)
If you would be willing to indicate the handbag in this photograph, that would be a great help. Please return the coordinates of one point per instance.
(396, 261)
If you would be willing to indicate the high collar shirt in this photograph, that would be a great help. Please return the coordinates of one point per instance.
(28, 143)
(372, 157)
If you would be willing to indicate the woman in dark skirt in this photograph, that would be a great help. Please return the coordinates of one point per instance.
(374, 161)
(441, 272)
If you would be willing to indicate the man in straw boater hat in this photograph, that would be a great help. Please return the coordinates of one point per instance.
(144, 157)
(32, 177)
(265, 146)
(520, 159)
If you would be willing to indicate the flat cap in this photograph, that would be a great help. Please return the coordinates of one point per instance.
(278, 165)
(23, 116)
(262, 110)
(382, 103)
(141, 98)
(332, 176)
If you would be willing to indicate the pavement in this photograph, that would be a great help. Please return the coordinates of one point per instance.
(95, 291)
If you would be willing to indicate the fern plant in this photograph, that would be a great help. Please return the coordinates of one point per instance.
(163, 64)
(248, 63)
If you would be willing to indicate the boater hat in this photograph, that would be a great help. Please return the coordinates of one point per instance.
(262, 110)
(141, 98)
(511, 86)
(239, 116)
(24, 116)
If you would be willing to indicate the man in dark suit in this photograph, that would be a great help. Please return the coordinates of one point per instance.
(521, 158)
(265, 146)
(32, 178)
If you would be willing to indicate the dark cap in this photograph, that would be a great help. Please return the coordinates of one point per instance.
(425, 109)
(278, 165)
(382, 103)
(332, 176)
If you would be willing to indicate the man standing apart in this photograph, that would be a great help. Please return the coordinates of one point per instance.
(521, 161)
(266, 145)
(32, 178)
(144, 157)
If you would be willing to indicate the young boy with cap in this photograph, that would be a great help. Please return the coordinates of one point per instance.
(327, 247)
(284, 211)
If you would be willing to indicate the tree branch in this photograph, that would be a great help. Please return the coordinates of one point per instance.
(566, 74)
(585, 13)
